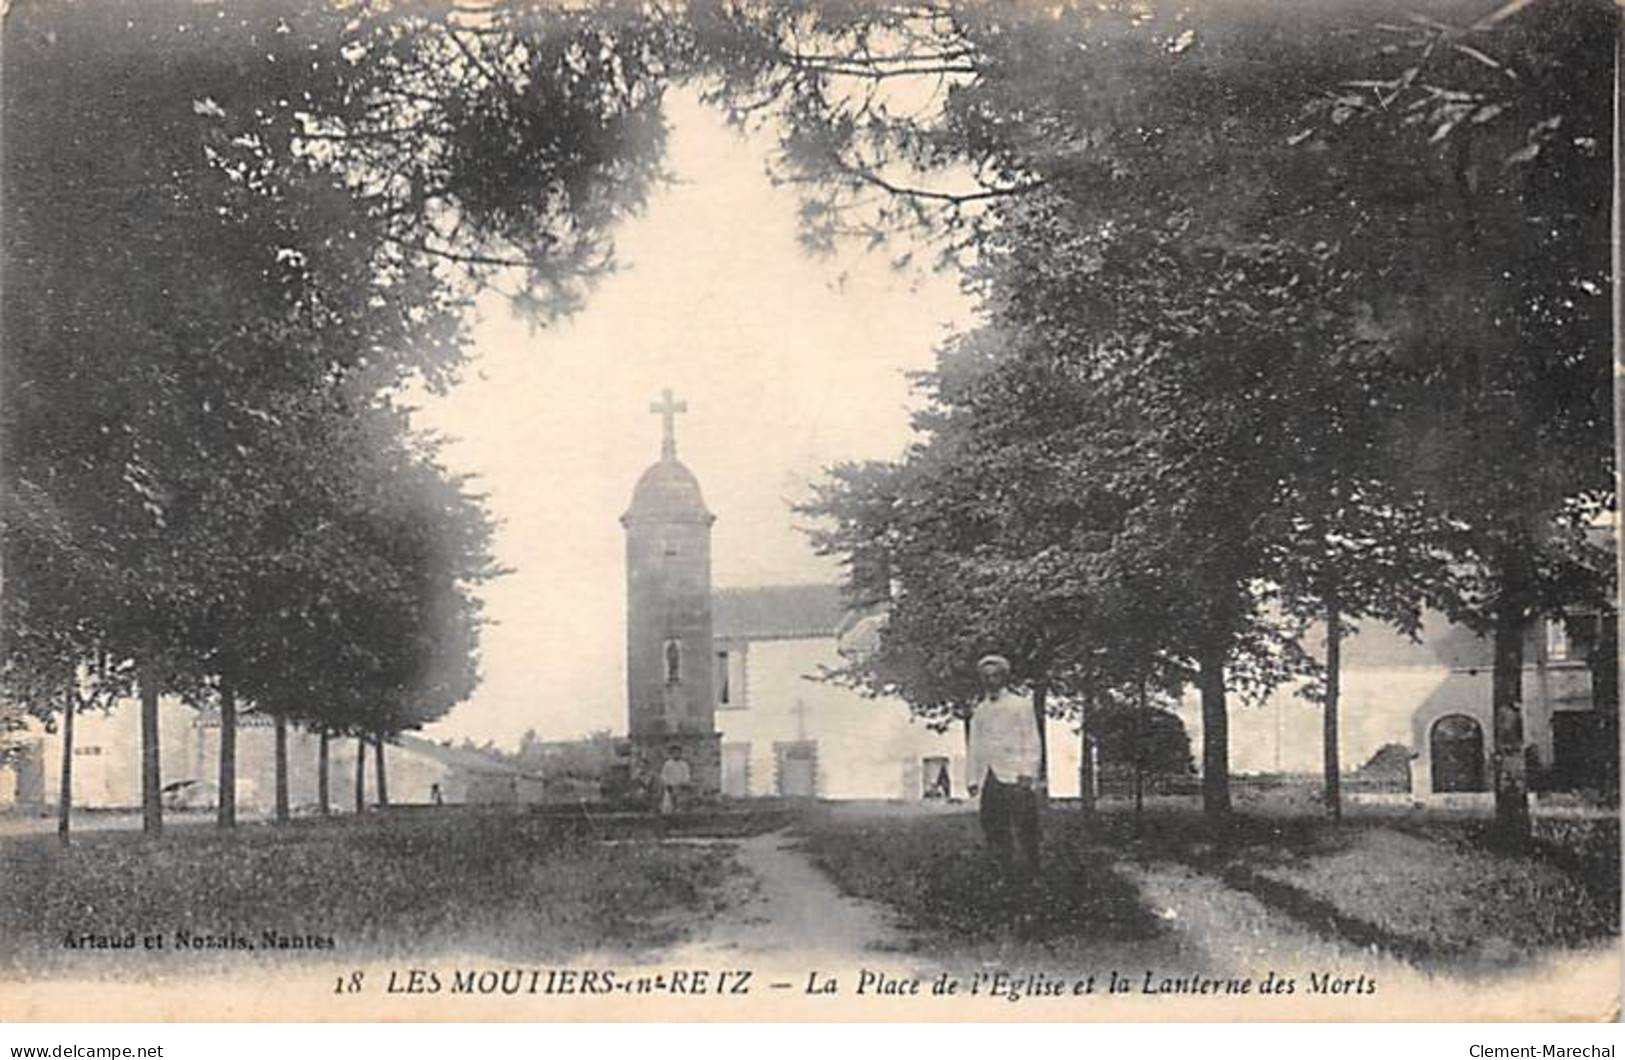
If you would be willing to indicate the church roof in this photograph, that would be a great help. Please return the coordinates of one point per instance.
(667, 489)
(464, 759)
(250, 718)
(777, 612)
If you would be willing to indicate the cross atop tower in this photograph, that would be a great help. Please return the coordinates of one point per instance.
(668, 408)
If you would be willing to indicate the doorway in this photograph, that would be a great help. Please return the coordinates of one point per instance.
(736, 769)
(1457, 743)
(935, 780)
(798, 769)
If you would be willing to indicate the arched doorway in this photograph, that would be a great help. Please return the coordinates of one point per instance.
(1457, 742)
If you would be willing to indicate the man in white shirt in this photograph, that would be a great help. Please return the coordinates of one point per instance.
(674, 778)
(1003, 762)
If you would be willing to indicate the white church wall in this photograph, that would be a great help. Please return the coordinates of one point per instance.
(107, 755)
(107, 761)
(411, 778)
(1284, 732)
(1379, 705)
(1393, 690)
(1063, 754)
(866, 748)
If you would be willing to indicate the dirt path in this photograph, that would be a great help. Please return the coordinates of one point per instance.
(1217, 930)
(784, 918)
(783, 921)
(782, 909)
(782, 912)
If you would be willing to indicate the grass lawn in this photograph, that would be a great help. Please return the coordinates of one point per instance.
(1426, 888)
(932, 870)
(530, 886)
(511, 885)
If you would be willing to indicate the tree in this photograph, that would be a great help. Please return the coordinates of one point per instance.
(1141, 740)
(96, 684)
(1360, 546)
(1389, 764)
(1090, 146)
(147, 248)
(281, 216)
(1181, 342)
(1472, 157)
(360, 775)
(987, 537)
(371, 627)
(1164, 325)
(959, 544)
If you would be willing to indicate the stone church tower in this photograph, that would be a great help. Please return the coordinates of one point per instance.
(670, 693)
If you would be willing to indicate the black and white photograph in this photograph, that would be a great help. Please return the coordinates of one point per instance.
(1007, 511)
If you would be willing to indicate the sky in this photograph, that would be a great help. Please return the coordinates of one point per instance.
(789, 363)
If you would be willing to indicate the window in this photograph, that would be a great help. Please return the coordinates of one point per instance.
(1557, 639)
(730, 678)
(674, 662)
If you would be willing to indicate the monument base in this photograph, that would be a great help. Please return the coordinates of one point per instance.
(701, 750)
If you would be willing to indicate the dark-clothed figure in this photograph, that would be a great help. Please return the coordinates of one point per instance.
(1003, 762)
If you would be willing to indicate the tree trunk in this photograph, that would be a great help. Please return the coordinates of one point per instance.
(360, 775)
(226, 808)
(1139, 750)
(970, 780)
(1334, 679)
(64, 806)
(1040, 701)
(1215, 734)
(323, 792)
(1506, 707)
(1086, 764)
(281, 769)
(378, 761)
(152, 806)
(1618, 266)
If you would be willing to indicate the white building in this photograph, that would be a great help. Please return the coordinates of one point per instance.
(1432, 696)
(107, 765)
(785, 732)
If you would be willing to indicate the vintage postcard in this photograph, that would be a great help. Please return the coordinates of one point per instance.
(779, 510)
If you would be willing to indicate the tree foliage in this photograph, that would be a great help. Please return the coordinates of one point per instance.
(1324, 292)
(1290, 316)
(232, 236)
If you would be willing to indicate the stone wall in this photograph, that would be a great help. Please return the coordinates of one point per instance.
(702, 752)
